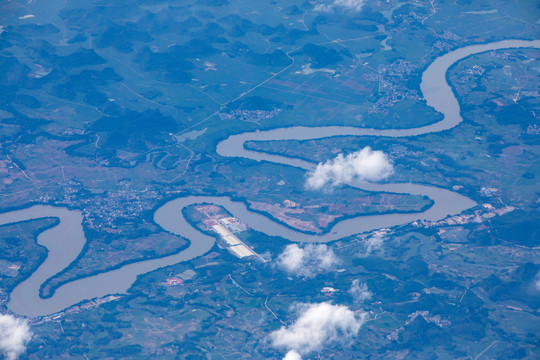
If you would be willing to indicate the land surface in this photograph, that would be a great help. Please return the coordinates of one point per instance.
(114, 108)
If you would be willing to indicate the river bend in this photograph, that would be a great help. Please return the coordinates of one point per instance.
(66, 240)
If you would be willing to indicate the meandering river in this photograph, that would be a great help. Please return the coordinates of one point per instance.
(66, 240)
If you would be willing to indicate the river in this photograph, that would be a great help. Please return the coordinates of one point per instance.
(65, 241)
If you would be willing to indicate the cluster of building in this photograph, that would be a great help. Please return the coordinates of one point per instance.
(226, 227)
(462, 219)
(179, 278)
(435, 319)
(487, 191)
(400, 152)
(234, 245)
(3, 297)
(75, 309)
(250, 115)
(308, 70)
(469, 74)
(392, 87)
(102, 212)
(8, 268)
(72, 131)
(533, 129)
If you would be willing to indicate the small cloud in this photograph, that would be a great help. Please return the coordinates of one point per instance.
(355, 5)
(351, 5)
(374, 243)
(14, 335)
(316, 326)
(359, 291)
(292, 355)
(537, 281)
(363, 165)
(307, 261)
(323, 8)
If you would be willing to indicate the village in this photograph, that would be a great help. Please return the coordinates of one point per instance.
(476, 217)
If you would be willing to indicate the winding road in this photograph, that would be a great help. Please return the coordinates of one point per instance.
(66, 240)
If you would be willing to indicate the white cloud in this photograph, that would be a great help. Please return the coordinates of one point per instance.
(537, 281)
(307, 261)
(363, 165)
(353, 5)
(316, 326)
(359, 291)
(323, 8)
(292, 355)
(374, 243)
(14, 335)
